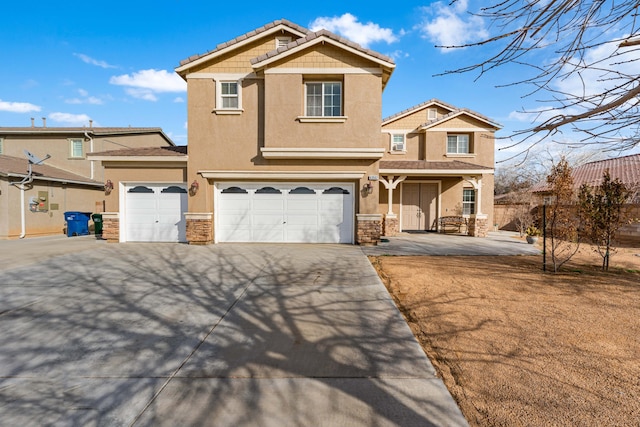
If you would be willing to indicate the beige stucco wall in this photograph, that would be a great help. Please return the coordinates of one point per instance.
(284, 102)
(67, 197)
(271, 104)
(120, 173)
(58, 146)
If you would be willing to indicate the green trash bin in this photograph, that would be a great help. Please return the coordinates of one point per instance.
(97, 224)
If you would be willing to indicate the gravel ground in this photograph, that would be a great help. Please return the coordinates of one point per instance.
(519, 347)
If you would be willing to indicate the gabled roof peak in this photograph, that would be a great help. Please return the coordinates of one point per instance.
(245, 37)
(313, 36)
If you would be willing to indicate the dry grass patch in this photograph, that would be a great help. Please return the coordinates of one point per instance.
(519, 347)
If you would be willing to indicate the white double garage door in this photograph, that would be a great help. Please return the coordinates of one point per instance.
(292, 212)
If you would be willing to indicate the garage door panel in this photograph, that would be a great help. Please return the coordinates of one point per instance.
(284, 212)
(154, 213)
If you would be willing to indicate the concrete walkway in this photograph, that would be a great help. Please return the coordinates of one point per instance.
(227, 335)
(496, 243)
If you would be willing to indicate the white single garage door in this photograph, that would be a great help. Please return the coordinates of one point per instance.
(284, 212)
(154, 213)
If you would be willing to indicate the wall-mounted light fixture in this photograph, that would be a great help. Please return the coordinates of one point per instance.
(108, 187)
(193, 189)
(368, 187)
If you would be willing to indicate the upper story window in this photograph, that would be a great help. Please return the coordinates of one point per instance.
(468, 201)
(76, 148)
(228, 96)
(398, 142)
(458, 144)
(323, 99)
(432, 114)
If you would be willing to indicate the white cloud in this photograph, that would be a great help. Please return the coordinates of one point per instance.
(178, 100)
(153, 80)
(141, 93)
(451, 25)
(89, 60)
(18, 107)
(397, 54)
(348, 26)
(70, 119)
(85, 99)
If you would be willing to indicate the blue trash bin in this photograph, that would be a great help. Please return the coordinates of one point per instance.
(77, 223)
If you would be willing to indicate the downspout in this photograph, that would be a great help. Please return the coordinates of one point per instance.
(86, 135)
(21, 186)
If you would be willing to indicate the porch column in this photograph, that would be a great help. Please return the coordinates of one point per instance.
(391, 225)
(477, 226)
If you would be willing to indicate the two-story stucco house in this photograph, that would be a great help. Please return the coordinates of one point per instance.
(34, 204)
(285, 145)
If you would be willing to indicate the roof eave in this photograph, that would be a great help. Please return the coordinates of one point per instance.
(452, 172)
(182, 69)
(390, 66)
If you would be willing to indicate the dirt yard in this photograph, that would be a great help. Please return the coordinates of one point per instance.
(519, 347)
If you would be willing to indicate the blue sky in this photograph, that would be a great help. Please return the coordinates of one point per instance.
(113, 63)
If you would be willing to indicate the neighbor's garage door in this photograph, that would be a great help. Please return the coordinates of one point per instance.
(154, 213)
(284, 212)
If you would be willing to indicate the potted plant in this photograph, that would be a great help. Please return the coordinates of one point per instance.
(532, 233)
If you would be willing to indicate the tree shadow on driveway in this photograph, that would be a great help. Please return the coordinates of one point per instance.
(167, 334)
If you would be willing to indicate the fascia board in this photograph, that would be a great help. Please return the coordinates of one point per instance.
(237, 45)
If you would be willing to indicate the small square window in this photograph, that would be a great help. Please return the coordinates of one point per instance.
(432, 114)
(76, 149)
(457, 144)
(398, 142)
(324, 99)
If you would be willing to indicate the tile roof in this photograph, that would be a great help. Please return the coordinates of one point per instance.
(97, 131)
(454, 111)
(315, 35)
(245, 36)
(178, 150)
(626, 168)
(419, 106)
(18, 167)
(429, 165)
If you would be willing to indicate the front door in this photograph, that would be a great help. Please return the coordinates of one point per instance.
(419, 202)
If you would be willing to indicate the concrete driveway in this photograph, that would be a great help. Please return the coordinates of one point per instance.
(96, 334)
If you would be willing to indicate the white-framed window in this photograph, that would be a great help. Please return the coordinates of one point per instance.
(282, 41)
(398, 142)
(229, 95)
(458, 144)
(76, 148)
(323, 99)
(432, 114)
(468, 201)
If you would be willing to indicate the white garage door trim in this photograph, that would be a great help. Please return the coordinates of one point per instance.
(284, 212)
(153, 212)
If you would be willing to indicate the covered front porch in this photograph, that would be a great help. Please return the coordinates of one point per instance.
(442, 196)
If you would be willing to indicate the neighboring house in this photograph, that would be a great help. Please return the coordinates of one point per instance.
(65, 181)
(285, 146)
(627, 170)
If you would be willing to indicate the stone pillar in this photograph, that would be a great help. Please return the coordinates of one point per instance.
(391, 225)
(368, 229)
(199, 228)
(111, 227)
(478, 226)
